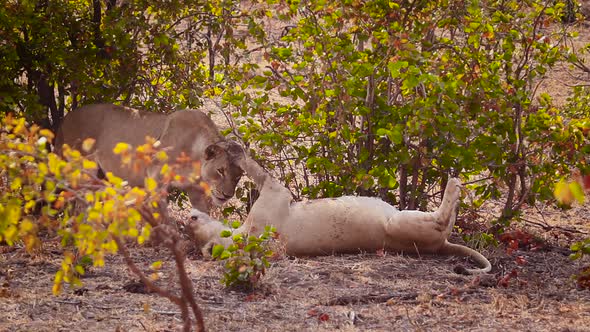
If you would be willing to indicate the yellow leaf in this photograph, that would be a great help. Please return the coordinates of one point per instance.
(16, 184)
(29, 205)
(88, 164)
(143, 148)
(99, 261)
(56, 289)
(94, 215)
(31, 242)
(133, 232)
(10, 234)
(110, 192)
(114, 180)
(563, 193)
(80, 269)
(43, 169)
(121, 148)
(150, 184)
(156, 265)
(161, 156)
(26, 226)
(74, 178)
(126, 159)
(145, 234)
(87, 144)
(58, 277)
(165, 171)
(73, 155)
(577, 191)
(133, 217)
(55, 165)
(47, 133)
(112, 246)
(206, 188)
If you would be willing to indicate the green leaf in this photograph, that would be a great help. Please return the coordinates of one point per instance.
(577, 190)
(395, 68)
(80, 269)
(217, 250)
(250, 246)
(225, 254)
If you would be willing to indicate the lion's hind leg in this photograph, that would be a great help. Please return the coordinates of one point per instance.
(427, 231)
(446, 214)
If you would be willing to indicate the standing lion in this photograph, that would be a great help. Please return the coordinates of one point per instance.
(189, 131)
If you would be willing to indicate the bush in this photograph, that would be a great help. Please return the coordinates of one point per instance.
(246, 259)
(377, 97)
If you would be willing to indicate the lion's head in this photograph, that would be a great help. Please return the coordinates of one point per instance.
(220, 171)
(204, 231)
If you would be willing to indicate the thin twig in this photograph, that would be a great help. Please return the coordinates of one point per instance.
(69, 302)
(547, 227)
(168, 313)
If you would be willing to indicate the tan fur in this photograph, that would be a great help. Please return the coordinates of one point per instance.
(188, 131)
(342, 225)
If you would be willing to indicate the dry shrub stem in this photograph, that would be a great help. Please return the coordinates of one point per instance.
(171, 240)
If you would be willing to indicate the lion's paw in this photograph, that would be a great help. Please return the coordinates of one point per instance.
(207, 250)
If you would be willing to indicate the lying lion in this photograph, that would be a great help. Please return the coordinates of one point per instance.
(346, 224)
(188, 131)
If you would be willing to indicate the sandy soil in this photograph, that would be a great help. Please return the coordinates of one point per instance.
(530, 289)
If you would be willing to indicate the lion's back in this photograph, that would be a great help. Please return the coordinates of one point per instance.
(108, 124)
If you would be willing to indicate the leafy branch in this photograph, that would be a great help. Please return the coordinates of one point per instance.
(95, 217)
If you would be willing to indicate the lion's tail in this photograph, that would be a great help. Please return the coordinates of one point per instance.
(460, 250)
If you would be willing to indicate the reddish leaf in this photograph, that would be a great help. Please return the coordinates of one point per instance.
(583, 278)
(380, 252)
(520, 260)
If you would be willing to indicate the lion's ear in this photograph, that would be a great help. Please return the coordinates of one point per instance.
(213, 151)
(235, 149)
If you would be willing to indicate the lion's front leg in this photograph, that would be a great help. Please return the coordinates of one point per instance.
(272, 206)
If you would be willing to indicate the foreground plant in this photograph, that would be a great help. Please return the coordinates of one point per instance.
(246, 259)
(566, 193)
(93, 217)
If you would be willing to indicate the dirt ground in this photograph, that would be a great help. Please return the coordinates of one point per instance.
(530, 289)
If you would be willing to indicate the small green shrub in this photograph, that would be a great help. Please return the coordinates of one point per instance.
(246, 259)
(580, 249)
(480, 240)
